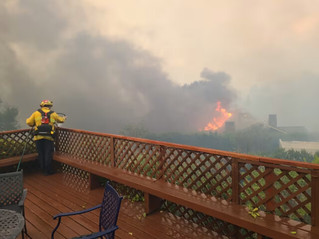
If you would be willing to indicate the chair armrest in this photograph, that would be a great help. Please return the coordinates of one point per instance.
(77, 212)
(24, 195)
(59, 216)
(101, 233)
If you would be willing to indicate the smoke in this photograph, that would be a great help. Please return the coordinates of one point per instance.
(102, 84)
(292, 100)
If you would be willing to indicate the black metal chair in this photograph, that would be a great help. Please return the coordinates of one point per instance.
(110, 208)
(12, 194)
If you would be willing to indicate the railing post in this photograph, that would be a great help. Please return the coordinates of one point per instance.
(153, 203)
(112, 152)
(161, 162)
(315, 198)
(57, 143)
(93, 181)
(270, 191)
(55, 164)
(235, 181)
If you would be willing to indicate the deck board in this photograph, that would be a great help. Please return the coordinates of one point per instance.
(49, 195)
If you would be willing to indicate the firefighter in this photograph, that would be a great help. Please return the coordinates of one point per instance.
(43, 120)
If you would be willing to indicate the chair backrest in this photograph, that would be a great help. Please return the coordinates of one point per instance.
(110, 208)
(11, 188)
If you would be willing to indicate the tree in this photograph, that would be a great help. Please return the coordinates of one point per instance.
(316, 158)
(8, 117)
(135, 131)
(301, 156)
(256, 139)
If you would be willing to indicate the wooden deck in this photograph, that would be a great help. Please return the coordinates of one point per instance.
(49, 195)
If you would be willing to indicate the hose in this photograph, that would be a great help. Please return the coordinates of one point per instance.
(23, 151)
(61, 114)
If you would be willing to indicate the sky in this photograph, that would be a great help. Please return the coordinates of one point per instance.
(163, 64)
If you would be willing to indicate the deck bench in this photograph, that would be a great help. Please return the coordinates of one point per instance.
(15, 160)
(156, 190)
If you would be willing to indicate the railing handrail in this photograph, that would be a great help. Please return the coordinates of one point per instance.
(242, 156)
(13, 131)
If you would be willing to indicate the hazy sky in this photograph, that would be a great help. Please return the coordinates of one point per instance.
(161, 62)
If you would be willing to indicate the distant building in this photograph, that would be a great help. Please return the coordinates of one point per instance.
(229, 127)
(272, 120)
(310, 147)
(272, 123)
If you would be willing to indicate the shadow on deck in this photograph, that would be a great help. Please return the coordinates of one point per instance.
(49, 195)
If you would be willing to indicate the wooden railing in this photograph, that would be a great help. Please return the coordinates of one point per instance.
(12, 143)
(286, 188)
(15, 146)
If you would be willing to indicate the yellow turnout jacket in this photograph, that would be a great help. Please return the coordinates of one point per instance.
(35, 120)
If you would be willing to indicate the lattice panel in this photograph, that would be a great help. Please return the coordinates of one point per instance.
(190, 229)
(283, 192)
(129, 193)
(75, 178)
(211, 223)
(252, 184)
(202, 172)
(293, 198)
(12, 144)
(85, 146)
(137, 157)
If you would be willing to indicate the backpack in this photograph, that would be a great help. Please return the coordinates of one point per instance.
(45, 129)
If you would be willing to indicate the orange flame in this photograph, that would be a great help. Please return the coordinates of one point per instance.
(218, 121)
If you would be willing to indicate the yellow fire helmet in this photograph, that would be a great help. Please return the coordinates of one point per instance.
(46, 103)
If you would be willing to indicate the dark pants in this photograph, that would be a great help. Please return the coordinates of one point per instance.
(45, 150)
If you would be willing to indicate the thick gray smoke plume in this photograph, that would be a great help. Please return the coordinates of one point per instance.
(101, 84)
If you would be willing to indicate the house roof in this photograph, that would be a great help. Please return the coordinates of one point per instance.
(310, 147)
(293, 129)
